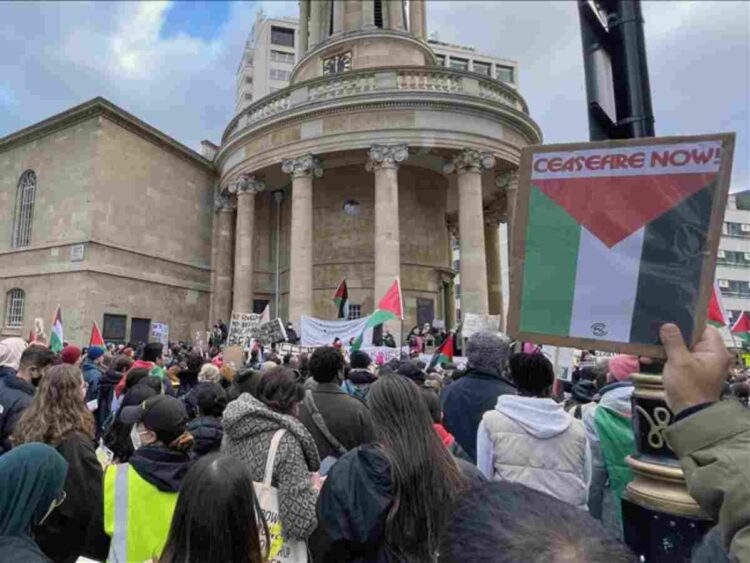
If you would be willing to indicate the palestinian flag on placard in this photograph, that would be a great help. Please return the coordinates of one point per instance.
(341, 300)
(390, 307)
(615, 240)
(444, 352)
(96, 339)
(717, 316)
(56, 336)
(741, 328)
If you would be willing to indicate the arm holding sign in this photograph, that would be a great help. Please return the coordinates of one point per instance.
(711, 437)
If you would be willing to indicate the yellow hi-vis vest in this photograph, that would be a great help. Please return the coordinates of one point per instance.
(137, 515)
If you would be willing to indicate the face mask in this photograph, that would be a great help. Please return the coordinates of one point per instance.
(135, 438)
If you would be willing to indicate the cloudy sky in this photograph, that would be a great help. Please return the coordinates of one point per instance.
(173, 64)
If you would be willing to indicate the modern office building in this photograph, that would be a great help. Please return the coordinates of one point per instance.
(733, 261)
(267, 61)
(460, 57)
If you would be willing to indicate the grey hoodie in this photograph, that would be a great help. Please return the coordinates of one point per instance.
(249, 426)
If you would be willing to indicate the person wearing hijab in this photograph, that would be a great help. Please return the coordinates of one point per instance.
(10, 355)
(33, 477)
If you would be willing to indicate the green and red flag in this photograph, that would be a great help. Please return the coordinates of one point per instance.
(444, 352)
(717, 316)
(56, 336)
(614, 238)
(741, 327)
(341, 300)
(96, 339)
(390, 307)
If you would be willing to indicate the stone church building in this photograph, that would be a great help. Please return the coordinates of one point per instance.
(364, 168)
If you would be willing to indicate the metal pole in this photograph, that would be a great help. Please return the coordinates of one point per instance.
(278, 197)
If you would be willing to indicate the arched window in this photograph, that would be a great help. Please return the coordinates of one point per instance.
(24, 209)
(14, 302)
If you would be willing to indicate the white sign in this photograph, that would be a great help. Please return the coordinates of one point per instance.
(473, 323)
(243, 328)
(319, 332)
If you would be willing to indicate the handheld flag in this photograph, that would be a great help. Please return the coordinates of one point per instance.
(741, 327)
(266, 315)
(56, 338)
(341, 300)
(444, 352)
(390, 307)
(717, 316)
(96, 337)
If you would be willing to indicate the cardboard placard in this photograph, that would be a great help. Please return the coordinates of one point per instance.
(473, 323)
(243, 327)
(612, 239)
(233, 355)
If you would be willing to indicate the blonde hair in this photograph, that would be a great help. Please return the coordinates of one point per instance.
(227, 372)
(57, 409)
(209, 372)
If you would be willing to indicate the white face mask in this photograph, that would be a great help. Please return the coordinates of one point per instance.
(135, 437)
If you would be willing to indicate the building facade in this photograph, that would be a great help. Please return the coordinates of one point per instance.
(267, 61)
(102, 214)
(363, 169)
(733, 260)
(461, 57)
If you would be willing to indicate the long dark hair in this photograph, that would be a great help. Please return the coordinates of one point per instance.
(217, 517)
(425, 476)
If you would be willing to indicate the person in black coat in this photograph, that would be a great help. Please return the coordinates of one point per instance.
(345, 417)
(17, 391)
(108, 382)
(206, 429)
(58, 417)
(117, 439)
(467, 399)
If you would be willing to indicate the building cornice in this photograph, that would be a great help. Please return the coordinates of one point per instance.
(102, 107)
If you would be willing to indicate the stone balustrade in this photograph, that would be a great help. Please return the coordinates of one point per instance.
(396, 80)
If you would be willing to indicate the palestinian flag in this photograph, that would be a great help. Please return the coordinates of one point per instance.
(341, 300)
(741, 327)
(391, 307)
(615, 240)
(444, 352)
(96, 339)
(56, 336)
(717, 316)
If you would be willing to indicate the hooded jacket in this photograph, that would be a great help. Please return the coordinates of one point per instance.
(535, 443)
(249, 426)
(207, 433)
(357, 383)
(466, 400)
(162, 467)
(107, 385)
(92, 374)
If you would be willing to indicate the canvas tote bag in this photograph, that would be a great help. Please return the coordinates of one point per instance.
(281, 550)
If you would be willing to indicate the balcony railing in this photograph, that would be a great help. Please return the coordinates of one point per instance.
(379, 81)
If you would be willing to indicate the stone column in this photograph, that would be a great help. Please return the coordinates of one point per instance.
(494, 264)
(338, 16)
(304, 30)
(245, 187)
(508, 181)
(383, 161)
(223, 268)
(368, 13)
(302, 170)
(315, 23)
(468, 164)
(416, 19)
(395, 13)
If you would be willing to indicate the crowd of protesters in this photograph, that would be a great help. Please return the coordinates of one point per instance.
(139, 453)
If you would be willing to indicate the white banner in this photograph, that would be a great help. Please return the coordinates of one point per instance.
(317, 332)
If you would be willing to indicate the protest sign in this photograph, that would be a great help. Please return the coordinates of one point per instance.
(320, 332)
(613, 239)
(294, 349)
(243, 327)
(479, 323)
(271, 332)
(233, 355)
(160, 333)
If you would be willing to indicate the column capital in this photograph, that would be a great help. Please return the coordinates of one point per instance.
(222, 202)
(469, 160)
(305, 165)
(507, 180)
(246, 184)
(386, 156)
(493, 216)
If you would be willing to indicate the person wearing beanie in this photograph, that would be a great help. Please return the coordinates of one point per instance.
(71, 355)
(11, 350)
(465, 401)
(610, 433)
(358, 380)
(411, 371)
(92, 368)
